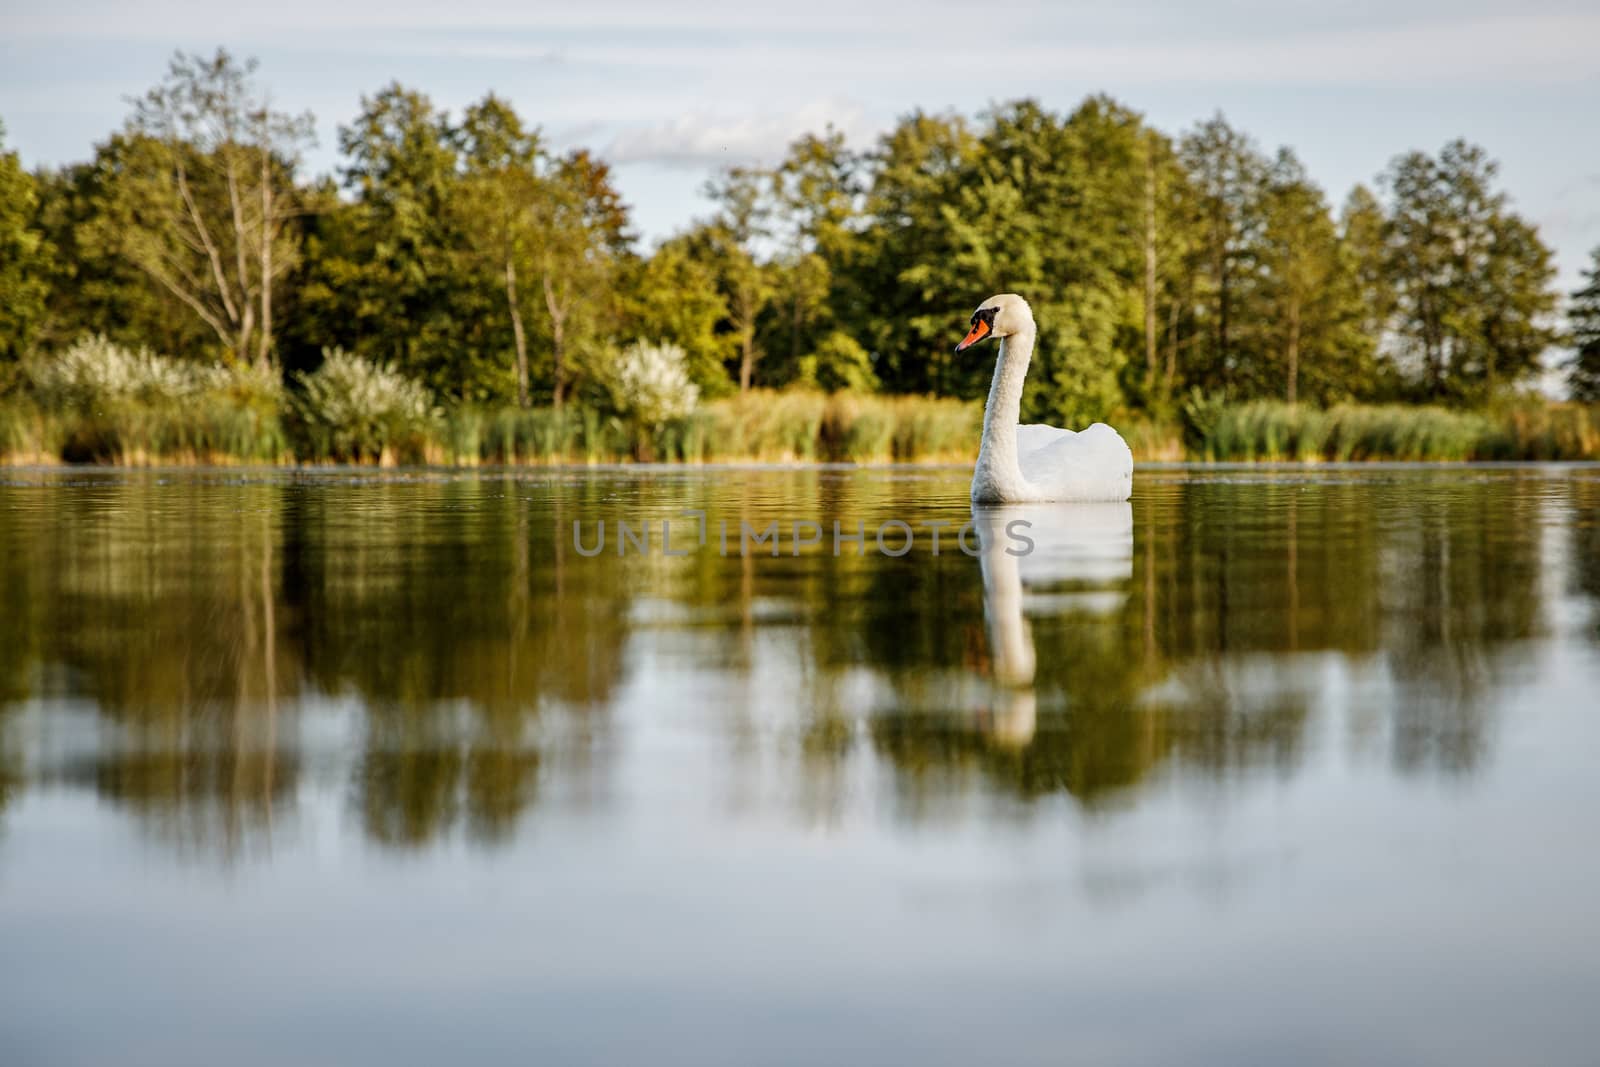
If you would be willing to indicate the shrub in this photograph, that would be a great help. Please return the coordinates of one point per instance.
(649, 386)
(94, 372)
(351, 409)
(107, 402)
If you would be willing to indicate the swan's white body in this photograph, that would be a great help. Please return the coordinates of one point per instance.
(1038, 464)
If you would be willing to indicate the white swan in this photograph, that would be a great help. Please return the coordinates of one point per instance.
(1036, 464)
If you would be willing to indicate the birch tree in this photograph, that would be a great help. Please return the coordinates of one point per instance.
(742, 223)
(583, 236)
(209, 194)
(502, 195)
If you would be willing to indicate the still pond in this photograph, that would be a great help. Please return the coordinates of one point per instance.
(333, 767)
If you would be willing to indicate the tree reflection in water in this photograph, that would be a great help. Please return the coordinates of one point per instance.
(208, 622)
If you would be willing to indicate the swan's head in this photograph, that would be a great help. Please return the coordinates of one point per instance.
(998, 316)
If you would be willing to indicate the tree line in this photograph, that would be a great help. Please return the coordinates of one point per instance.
(469, 253)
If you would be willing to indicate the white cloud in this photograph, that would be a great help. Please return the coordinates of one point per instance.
(1155, 41)
(688, 86)
(706, 139)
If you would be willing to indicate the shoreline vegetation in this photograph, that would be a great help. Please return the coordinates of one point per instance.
(100, 403)
(459, 292)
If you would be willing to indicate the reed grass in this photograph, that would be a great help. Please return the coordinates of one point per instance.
(105, 405)
(760, 427)
(27, 434)
(1276, 431)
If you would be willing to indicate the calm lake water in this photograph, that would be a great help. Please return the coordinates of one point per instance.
(356, 768)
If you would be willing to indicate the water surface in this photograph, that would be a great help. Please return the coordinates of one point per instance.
(352, 768)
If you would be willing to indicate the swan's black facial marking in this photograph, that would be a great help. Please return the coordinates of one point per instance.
(982, 327)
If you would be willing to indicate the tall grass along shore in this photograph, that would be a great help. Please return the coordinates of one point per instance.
(101, 403)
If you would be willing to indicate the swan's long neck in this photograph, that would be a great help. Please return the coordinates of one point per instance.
(997, 476)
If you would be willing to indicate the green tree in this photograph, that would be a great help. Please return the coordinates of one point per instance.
(1362, 226)
(732, 241)
(386, 282)
(23, 258)
(1515, 312)
(203, 204)
(672, 298)
(1096, 230)
(1087, 215)
(1472, 279)
(1052, 211)
(904, 301)
(1168, 236)
(583, 245)
(1583, 318)
(816, 223)
(499, 203)
(1312, 310)
(1230, 176)
(93, 288)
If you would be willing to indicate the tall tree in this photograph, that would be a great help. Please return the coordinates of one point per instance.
(1583, 319)
(905, 299)
(742, 222)
(1311, 308)
(1148, 242)
(23, 258)
(387, 282)
(1362, 231)
(815, 224)
(207, 195)
(1516, 307)
(1025, 210)
(1229, 174)
(1049, 209)
(585, 239)
(1472, 280)
(500, 202)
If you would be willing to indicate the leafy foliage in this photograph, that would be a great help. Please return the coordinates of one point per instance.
(460, 254)
(1472, 280)
(23, 255)
(1584, 316)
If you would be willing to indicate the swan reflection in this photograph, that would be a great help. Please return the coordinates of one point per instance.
(1043, 559)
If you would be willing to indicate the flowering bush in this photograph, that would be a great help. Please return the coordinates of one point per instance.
(649, 384)
(106, 401)
(94, 372)
(352, 409)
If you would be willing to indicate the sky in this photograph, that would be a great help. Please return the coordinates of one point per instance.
(668, 92)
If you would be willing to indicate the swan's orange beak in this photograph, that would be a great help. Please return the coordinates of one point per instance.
(980, 330)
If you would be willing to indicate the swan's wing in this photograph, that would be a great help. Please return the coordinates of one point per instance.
(1095, 464)
(1035, 436)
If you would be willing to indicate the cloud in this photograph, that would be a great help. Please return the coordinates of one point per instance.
(700, 139)
(1400, 42)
